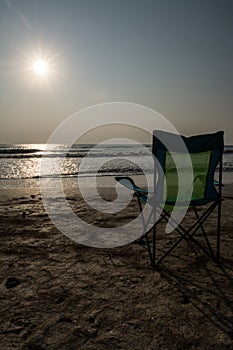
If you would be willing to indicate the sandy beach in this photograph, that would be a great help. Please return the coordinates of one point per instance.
(90, 92)
(58, 294)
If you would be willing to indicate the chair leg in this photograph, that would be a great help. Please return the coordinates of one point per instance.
(203, 232)
(188, 234)
(218, 230)
(154, 246)
(144, 230)
(219, 209)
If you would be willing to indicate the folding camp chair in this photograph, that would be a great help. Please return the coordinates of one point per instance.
(204, 153)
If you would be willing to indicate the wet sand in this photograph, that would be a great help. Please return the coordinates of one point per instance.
(58, 294)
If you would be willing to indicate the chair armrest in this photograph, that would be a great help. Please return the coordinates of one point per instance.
(129, 183)
(202, 179)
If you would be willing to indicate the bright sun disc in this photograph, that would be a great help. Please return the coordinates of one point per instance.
(40, 67)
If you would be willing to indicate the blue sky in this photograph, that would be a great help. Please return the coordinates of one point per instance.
(173, 56)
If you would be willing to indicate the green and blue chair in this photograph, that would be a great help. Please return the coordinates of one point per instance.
(205, 154)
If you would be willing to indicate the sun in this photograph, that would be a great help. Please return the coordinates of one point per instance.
(40, 67)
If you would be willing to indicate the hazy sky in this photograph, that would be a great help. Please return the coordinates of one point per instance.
(175, 56)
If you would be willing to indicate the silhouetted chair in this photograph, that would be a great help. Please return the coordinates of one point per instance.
(176, 159)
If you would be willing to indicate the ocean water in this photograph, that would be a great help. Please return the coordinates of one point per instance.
(23, 162)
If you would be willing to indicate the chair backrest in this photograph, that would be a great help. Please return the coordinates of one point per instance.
(205, 152)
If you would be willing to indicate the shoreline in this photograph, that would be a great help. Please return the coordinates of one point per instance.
(28, 187)
(102, 181)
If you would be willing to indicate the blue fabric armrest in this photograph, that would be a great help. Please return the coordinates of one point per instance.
(129, 183)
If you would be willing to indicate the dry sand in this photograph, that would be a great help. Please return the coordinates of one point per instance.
(67, 296)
